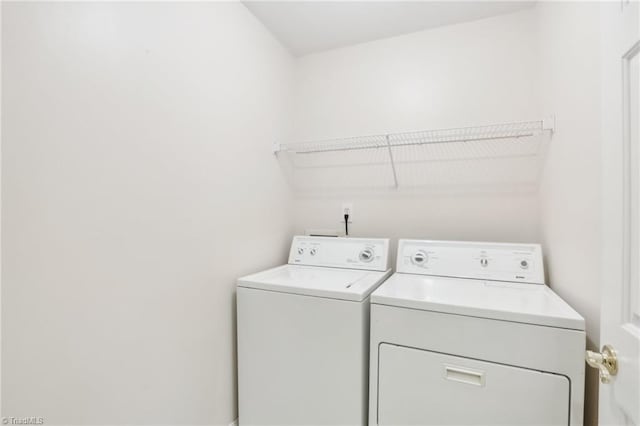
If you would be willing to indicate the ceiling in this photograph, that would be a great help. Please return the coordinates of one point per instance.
(312, 26)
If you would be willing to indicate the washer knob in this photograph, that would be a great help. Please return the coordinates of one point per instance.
(524, 264)
(313, 251)
(366, 255)
(300, 250)
(484, 262)
(419, 258)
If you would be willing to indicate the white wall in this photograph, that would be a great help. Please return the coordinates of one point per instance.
(128, 130)
(474, 73)
(570, 194)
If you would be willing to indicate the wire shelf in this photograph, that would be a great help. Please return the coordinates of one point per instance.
(482, 155)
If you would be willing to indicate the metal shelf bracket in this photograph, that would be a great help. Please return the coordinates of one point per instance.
(549, 123)
(393, 165)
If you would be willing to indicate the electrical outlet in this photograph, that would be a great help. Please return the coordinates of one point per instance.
(347, 208)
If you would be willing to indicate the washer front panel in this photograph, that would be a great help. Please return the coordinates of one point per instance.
(301, 360)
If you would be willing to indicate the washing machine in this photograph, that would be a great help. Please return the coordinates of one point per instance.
(303, 334)
(467, 333)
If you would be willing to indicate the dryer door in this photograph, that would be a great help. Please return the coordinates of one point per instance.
(418, 387)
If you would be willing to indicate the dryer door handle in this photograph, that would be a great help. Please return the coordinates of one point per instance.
(464, 375)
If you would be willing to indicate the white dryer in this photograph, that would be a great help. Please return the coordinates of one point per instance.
(303, 334)
(469, 334)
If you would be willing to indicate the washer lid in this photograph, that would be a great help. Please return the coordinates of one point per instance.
(507, 301)
(335, 283)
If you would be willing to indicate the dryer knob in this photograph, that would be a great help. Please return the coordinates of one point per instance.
(420, 258)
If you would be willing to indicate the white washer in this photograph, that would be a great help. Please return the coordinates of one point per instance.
(468, 334)
(303, 334)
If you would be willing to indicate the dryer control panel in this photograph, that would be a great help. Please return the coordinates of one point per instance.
(461, 259)
(353, 253)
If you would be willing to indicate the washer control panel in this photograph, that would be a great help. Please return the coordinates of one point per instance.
(461, 259)
(335, 252)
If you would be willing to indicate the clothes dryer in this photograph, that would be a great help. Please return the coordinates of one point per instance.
(468, 333)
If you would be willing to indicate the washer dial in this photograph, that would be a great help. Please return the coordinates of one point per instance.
(366, 255)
